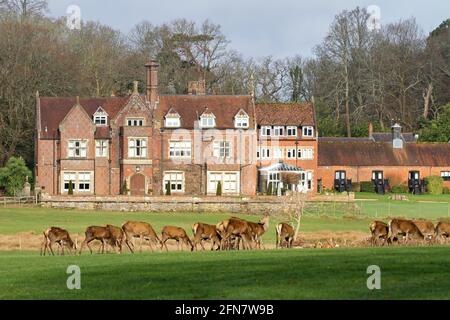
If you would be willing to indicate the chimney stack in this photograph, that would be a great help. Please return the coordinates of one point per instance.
(397, 140)
(152, 82)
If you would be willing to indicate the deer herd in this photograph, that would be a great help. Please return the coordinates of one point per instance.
(232, 233)
(397, 230)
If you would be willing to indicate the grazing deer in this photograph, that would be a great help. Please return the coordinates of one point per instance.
(284, 232)
(236, 227)
(203, 231)
(442, 231)
(379, 231)
(258, 229)
(92, 233)
(141, 230)
(117, 237)
(57, 235)
(177, 234)
(426, 228)
(407, 227)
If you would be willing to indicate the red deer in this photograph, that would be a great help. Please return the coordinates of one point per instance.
(141, 230)
(57, 235)
(258, 229)
(235, 227)
(406, 227)
(286, 233)
(427, 229)
(203, 231)
(379, 231)
(442, 231)
(96, 233)
(177, 234)
(117, 237)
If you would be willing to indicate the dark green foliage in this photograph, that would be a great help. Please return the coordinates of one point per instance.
(400, 188)
(356, 187)
(367, 186)
(168, 190)
(437, 130)
(446, 190)
(70, 191)
(270, 189)
(435, 184)
(13, 175)
(219, 189)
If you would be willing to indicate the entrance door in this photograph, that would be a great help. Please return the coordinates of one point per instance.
(340, 182)
(137, 185)
(378, 181)
(414, 182)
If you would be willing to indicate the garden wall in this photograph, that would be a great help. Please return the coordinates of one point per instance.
(251, 205)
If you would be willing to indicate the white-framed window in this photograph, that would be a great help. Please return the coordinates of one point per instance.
(180, 149)
(290, 153)
(266, 131)
(308, 132)
(278, 131)
(306, 180)
(69, 177)
(222, 149)
(241, 121)
(175, 179)
(305, 154)
(81, 181)
(137, 148)
(101, 148)
(445, 175)
(207, 121)
(278, 153)
(77, 149)
(228, 180)
(172, 122)
(135, 122)
(84, 182)
(263, 153)
(291, 131)
(101, 120)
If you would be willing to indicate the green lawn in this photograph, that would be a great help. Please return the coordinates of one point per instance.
(283, 274)
(34, 219)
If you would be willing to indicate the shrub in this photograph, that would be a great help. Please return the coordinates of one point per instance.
(356, 187)
(367, 186)
(435, 184)
(13, 176)
(270, 189)
(400, 188)
(70, 192)
(219, 189)
(168, 191)
(446, 190)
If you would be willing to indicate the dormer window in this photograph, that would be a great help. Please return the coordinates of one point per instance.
(172, 119)
(100, 117)
(308, 132)
(241, 120)
(207, 120)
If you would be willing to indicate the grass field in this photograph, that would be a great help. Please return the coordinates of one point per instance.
(406, 272)
(283, 274)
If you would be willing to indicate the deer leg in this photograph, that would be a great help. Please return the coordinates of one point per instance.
(51, 249)
(88, 245)
(140, 243)
(150, 244)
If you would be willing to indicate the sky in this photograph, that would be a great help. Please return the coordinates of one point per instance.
(256, 28)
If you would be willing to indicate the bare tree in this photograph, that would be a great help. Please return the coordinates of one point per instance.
(24, 8)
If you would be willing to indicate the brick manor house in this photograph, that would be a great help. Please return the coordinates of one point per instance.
(142, 144)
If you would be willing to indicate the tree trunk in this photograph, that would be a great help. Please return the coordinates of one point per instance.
(426, 100)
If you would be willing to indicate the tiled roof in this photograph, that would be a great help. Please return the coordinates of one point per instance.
(297, 114)
(362, 153)
(53, 110)
(191, 107)
(387, 136)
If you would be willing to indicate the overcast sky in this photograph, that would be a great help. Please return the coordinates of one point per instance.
(255, 27)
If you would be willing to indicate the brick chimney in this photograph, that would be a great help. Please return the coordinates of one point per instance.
(152, 82)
